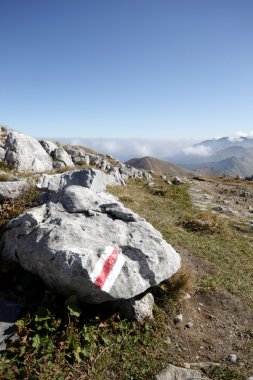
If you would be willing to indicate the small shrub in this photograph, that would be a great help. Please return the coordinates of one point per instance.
(174, 288)
(159, 192)
(224, 373)
(4, 177)
(12, 208)
(207, 222)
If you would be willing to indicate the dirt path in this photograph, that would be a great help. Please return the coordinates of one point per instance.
(216, 325)
(232, 199)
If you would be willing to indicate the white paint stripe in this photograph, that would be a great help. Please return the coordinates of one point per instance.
(100, 263)
(114, 273)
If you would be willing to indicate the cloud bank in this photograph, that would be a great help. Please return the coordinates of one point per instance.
(200, 150)
(124, 149)
(240, 135)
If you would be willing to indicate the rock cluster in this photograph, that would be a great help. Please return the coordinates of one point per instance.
(81, 240)
(25, 154)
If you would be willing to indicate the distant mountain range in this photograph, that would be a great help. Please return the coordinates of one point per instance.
(229, 156)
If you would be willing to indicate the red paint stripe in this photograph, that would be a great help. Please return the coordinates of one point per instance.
(108, 265)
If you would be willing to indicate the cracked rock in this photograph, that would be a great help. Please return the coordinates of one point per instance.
(89, 245)
(25, 154)
(95, 180)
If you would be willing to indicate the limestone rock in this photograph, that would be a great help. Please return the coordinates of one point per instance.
(95, 180)
(9, 312)
(2, 153)
(57, 153)
(176, 373)
(25, 154)
(89, 245)
(138, 309)
(12, 189)
(177, 181)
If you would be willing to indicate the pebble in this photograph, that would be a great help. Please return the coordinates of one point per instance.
(187, 296)
(189, 325)
(232, 358)
(178, 318)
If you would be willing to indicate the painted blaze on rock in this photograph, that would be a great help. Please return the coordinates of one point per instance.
(90, 245)
(107, 268)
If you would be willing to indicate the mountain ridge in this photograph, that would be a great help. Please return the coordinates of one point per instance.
(156, 165)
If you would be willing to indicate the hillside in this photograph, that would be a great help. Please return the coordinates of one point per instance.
(158, 166)
(92, 248)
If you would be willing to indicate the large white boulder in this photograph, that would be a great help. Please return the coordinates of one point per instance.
(89, 245)
(25, 154)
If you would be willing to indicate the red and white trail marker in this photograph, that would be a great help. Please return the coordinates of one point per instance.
(107, 268)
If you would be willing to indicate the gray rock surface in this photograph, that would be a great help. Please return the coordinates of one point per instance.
(25, 154)
(138, 309)
(177, 181)
(2, 153)
(12, 189)
(176, 373)
(9, 312)
(95, 180)
(57, 153)
(128, 171)
(88, 244)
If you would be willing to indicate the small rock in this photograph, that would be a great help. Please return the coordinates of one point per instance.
(151, 184)
(189, 325)
(12, 189)
(177, 181)
(187, 296)
(172, 373)
(138, 309)
(232, 358)
(178, 318)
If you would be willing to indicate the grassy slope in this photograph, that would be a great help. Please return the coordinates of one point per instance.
(58, 339)
(175, 217)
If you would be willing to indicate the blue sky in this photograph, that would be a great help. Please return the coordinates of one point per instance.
(127, 68)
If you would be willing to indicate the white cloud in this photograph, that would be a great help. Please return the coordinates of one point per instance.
(199, 150)
(239, 135)
(124, 149)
